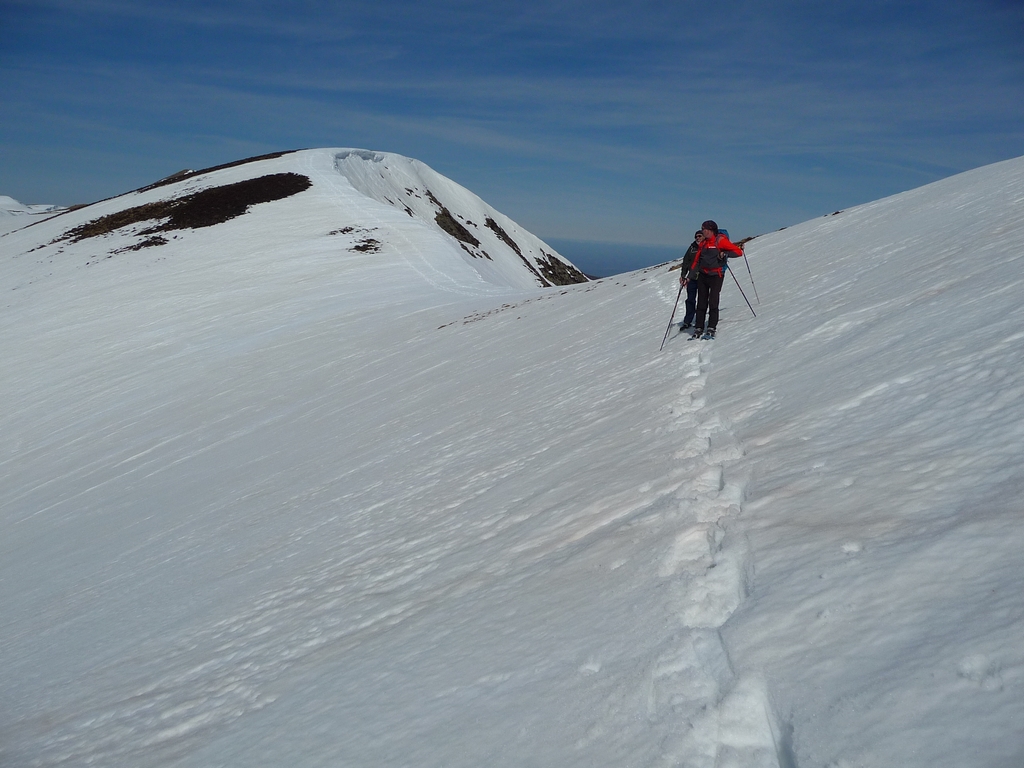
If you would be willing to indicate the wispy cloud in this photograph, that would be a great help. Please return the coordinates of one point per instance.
(598, 96)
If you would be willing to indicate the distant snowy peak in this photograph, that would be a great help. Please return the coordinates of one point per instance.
(480, 231)
(15, 215)
(11, 206)
(370, 204)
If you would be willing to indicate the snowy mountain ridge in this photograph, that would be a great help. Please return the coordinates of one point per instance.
(354, 197)
(270, 500)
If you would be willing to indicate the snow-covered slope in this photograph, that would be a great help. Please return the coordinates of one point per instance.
(361, 207)
(879, 398)
(270, 501)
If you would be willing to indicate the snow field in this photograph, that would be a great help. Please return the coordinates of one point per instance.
(270, 501)
(880, 404)
(305, 574)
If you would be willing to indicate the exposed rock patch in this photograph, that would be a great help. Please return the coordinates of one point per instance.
(503, 235)
(558, 272)
(367, 245)
(149, 242)
(198, 209)
(447, 222)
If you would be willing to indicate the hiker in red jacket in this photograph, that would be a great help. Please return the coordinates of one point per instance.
(708, 269)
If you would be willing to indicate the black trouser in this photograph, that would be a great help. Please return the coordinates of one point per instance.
(691, 301)
(709, 289)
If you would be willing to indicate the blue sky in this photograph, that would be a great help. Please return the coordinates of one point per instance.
(608, 121)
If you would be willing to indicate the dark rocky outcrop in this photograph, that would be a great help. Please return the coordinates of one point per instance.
(198, 209)
(557, 272)
(447, 222)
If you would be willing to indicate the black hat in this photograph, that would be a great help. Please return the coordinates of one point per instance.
(698, 233)
(709, 224)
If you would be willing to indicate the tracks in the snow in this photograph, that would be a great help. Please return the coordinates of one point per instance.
(722, 716)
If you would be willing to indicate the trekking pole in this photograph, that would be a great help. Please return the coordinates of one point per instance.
(673, 317)
(741, 293)
(751, 279)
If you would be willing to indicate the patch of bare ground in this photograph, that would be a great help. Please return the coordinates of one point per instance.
(149, 242)
(205, 208)
(367, 245)
(558, 272)
(179, 176)
(447, 222)
(503, 235)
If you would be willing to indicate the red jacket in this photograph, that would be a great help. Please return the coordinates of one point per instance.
(708, 252)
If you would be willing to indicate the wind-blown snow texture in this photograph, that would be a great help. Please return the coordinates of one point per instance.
(269, 500)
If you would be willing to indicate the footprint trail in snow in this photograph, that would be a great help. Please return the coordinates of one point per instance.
(723, 718)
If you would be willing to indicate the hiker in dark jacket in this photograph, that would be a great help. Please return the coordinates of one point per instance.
(708, 270)
(691, 287)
